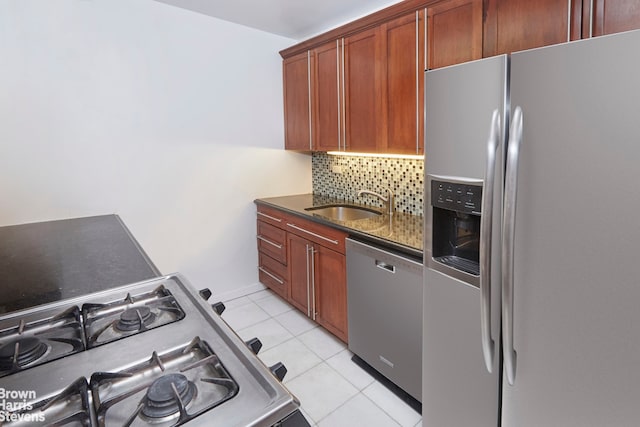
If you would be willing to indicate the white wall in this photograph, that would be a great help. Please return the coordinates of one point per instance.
(169, 118)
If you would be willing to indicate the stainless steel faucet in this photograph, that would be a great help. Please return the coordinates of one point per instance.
(390, 200)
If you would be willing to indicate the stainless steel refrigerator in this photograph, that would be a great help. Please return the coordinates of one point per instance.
(532, 238)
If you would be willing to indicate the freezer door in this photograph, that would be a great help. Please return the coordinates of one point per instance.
(465, 119)
(575, 291)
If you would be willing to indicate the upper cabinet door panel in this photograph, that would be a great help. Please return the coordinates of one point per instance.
(513, 25)
(404, 81)
(614, 16)
(363, 67)
(327, 102)
(297, 119)
(454, 32)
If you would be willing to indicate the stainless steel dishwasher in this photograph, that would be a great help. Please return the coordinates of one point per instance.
(384, 295)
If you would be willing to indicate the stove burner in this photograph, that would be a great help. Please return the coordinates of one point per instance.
(20, 352)
(107, 322)
(191, 380)
(168, 395)
(135, 319)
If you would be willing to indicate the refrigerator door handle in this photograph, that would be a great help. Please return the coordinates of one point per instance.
(508, 238)
(486, 229)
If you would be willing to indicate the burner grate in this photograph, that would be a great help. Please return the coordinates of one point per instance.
(30, 344)
(112, 321)
(21, 351)
(168, 389)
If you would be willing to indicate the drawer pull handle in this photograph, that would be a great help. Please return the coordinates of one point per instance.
(335, 242)
(273, 218)
(269, 242)
(274, 277)
(386, 267)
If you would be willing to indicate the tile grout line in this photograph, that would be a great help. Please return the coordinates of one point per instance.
(359, 392)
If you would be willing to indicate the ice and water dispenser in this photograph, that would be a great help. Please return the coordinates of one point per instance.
(456, 223)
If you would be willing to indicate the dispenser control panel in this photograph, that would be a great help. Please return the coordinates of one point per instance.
(465, 198)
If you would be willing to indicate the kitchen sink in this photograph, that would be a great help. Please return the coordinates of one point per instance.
(344, 212)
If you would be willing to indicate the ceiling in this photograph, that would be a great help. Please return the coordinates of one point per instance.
(295, 19)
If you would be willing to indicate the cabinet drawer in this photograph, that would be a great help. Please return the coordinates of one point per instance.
(317, 233)
(272, 216)
(272, 241)
(273, 274)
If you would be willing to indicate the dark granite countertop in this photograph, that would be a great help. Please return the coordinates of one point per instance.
(401, 231)
(48, 261)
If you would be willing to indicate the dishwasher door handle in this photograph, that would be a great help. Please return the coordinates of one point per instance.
(386, 267)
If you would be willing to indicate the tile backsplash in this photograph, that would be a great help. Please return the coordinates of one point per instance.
(344, 176)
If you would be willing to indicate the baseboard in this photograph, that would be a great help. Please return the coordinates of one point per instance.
(237, 293)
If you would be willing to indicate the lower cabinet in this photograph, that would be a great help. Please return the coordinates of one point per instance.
(330, 296)
(273, 274)
(272, 251)
(299, 271)
(318, 284)
(304, 262)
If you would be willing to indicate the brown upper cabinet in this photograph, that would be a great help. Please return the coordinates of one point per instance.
(612, 16)
(365, 92)
(296, 72)
(327, 97)
(359, 87)
(446, 33)
(404, 62)
(513, 25)
(454, 32)
(363, 68)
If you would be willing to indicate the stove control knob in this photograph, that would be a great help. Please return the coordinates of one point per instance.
(254, 344)
(218, 307)
(278, 370)
(205, 293)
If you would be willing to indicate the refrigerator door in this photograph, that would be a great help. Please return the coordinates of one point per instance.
(465, 120)
(575, 289)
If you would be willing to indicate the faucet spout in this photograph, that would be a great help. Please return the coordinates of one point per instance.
(389, 201)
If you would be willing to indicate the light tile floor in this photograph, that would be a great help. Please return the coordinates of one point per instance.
(333, 391)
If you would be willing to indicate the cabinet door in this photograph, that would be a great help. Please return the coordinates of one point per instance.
(297, 102)
(327, 98)
(330, 287)
(299, 279)
(363, 67)
(513, 25)
(614, 16)
(403, 48)
(454, 32)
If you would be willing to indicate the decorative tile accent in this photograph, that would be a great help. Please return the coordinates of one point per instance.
(404, 177)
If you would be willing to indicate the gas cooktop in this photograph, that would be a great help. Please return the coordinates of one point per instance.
(149, 353)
